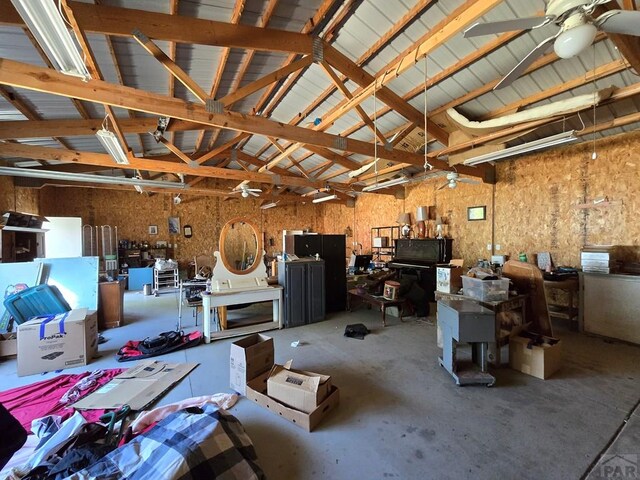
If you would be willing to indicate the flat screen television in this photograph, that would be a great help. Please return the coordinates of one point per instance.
(362, 262)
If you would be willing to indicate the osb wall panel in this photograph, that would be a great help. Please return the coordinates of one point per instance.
(17, 198)
(537, 199)
(133, 213)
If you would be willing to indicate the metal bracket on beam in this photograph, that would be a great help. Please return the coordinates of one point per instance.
(193, 164)
(163, 123)
(340, 143)
(214, 106)
(234, 155)
(317, 50)
(276, 179)
(388, 146)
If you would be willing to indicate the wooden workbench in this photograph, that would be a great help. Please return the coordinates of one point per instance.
(376, 301)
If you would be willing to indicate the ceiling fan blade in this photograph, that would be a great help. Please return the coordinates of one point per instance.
(531, 57)
(488, 28)
(444, 185)
(467, 180)
(253, 193)
(624, 22)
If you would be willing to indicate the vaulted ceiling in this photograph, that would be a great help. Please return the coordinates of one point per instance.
(293, 96)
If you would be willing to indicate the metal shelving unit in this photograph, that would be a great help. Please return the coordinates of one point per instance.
(165, 279)
(388, 252)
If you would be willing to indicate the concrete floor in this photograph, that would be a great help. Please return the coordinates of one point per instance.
(401, 415)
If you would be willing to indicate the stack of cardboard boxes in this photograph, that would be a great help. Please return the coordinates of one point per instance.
(301, 397)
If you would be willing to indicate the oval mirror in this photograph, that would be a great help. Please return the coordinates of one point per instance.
(240, 246)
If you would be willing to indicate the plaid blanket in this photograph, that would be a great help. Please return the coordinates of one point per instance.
(191, 444)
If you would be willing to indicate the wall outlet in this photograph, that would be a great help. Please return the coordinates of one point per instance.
(498, 248)
(488, 246)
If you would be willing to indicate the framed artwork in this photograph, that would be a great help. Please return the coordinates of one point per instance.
(188, 232)
(153, 229)
(477, 213)
(174, 225)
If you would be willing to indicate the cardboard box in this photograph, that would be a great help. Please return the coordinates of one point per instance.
(137, 387)
(540, 361)
(250, 357)
(257, 392)
(55, 342)
(298, 389)
(448, 278)
(8, 345)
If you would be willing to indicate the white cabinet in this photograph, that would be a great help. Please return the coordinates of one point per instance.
(165, 279)
(609, 305)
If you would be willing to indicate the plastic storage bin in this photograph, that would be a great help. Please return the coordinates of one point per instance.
(486, 290)
(34, 301)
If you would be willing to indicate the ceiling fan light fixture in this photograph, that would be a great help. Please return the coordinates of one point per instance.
(574, 40)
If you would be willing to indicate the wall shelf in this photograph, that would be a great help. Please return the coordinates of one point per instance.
(392, 233)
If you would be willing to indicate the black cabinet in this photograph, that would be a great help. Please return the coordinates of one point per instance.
(332, 249)
(304, 293)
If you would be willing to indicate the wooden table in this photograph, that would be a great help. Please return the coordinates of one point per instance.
(380, 302)
(519, 302)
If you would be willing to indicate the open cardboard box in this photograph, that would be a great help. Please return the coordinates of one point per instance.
(298, 389)
(540, 361)
(257, 392)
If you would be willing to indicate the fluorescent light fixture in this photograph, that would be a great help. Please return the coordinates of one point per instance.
(86, 177)
(269, 205)
(50, 30)
(539, 144)
(111, 144)
(389, 183)
(326, 198)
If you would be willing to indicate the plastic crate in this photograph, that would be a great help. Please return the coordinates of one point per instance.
(486, 290)
(34, 301)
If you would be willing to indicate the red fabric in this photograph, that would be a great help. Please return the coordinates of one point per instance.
(42, 398)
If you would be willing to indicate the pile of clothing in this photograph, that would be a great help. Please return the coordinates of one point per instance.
(191, 439)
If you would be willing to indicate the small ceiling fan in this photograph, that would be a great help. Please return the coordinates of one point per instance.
(245, 191)
(452, 180)
(576, 30)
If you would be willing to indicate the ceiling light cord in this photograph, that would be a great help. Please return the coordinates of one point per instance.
(594, 155)
(375, 134)
(427, 165)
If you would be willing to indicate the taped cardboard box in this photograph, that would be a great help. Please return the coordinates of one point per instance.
(54, 342)
(540, 357)
(138, 387)
(257, 391)
(298, 389)
(250, 357)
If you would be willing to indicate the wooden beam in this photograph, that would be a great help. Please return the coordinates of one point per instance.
(212, 153)
(19, 129)
(293, 160)
(173, 10)
(103, 159)
(217, 79)
(266, 80)
(94, 70)
(121, 22)
(337, 81)
(172, 67)
(178, 153)
(20, 105)
(45, 80)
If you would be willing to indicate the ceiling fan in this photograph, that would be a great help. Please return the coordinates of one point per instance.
(576, 30)
(452, 180)
(245, 191)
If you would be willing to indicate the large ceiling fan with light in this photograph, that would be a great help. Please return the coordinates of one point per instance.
(453, 179)
(577, 29)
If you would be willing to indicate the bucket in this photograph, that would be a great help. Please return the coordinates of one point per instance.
(146, 289)
(391, 290)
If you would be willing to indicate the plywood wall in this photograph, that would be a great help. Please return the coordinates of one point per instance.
(532, 208)
(17, 198)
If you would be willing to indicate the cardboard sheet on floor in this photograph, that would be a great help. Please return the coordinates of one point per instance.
(138, 386)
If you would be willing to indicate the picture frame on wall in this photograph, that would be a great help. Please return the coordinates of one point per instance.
(174, 225)
(153, 229)
(476, 213)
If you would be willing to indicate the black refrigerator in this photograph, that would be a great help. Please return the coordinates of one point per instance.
(332, 249)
